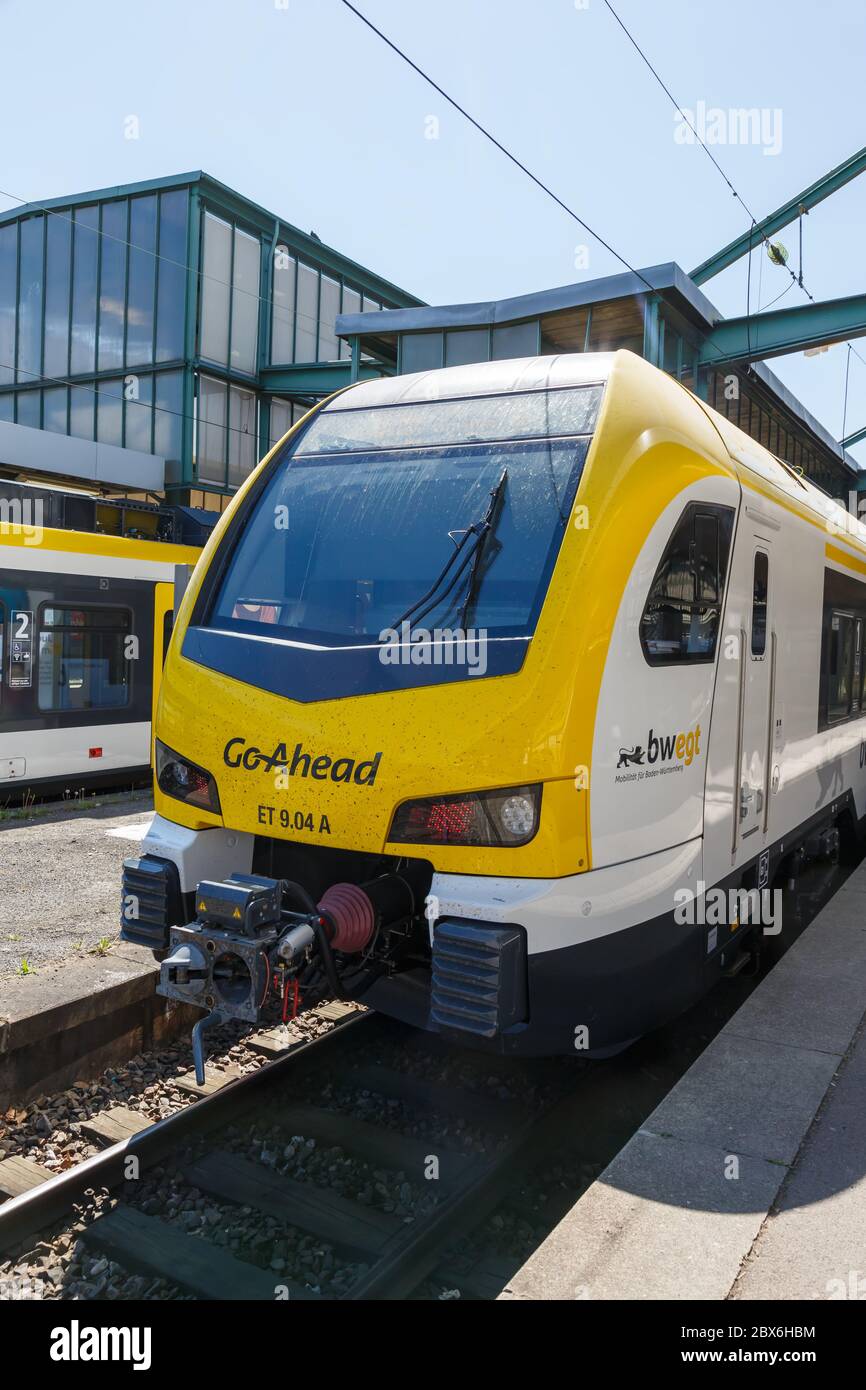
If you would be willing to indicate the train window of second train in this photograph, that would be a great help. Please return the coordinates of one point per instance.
(759, 603)
(83, 658)
(841, 666)
(680, 620)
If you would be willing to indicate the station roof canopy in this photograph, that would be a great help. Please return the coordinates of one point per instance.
(658, 312)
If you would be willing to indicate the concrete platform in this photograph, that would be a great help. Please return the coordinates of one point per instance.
(60, 869)
(749, 1180)
(71, 1020)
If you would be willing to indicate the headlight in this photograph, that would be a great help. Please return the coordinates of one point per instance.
(185, 781)
(507, 817)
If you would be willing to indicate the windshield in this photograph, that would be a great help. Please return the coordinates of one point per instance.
(341, 545)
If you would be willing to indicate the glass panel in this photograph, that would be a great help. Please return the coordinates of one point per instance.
(841, 665)
(54, 407)
(511, 415)
(85, 243)
(142, 279)
(211, 431)
(82, 664)
(329, 307)
(245, 302)
(370, 535)
(8, 299)
(242, 435)
(112, 285)
(681, 615)
(421, 352)
(370, 305)
(171, 272)
(707, 558)
(139, 417)
(283, 319)
(86, 617)
(470, 345)
(82, 407)
(759, 603)
(28, 409)
(306, 329)
(109, 412)
(281, 419)
(57, 278)
(7, 405)
(215, 289)
(299, 411)
(30, 300)
(515, 340)
(351, 305)
(168, 422)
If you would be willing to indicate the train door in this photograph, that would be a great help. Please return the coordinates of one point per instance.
(163, 606)
(757, 680)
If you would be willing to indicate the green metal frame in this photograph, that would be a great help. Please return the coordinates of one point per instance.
(754, 337)
(292, 379)
(787, 213)
(854, 438)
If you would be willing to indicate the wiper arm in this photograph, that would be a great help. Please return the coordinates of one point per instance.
(468, 549)
(491, 521)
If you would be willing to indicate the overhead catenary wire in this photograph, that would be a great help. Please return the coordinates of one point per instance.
(503, 149)
(488, 135)
(795, 279)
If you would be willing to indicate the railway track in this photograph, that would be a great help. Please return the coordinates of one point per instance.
(437, 1156)
(440, 1139)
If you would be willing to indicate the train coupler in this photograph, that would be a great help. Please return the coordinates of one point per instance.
(253, 937)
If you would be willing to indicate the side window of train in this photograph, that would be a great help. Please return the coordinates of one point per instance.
(759, 602)
(842, 660)
(680, 620)
(2, 648)
(842, 689)
(82, 658)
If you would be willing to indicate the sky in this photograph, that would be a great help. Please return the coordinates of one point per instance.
(297, 105)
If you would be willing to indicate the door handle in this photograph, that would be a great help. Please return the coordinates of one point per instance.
(747, 795)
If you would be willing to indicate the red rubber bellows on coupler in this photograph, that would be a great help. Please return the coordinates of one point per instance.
(352, 915)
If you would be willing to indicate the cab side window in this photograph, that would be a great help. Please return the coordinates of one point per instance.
(759, 603)
(680, 620)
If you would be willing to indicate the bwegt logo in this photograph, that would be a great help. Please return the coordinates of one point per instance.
(681, 747)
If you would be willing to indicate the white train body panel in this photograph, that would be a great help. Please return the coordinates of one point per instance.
(666, 777)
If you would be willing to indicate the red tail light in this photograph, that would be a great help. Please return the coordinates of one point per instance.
(506, 817)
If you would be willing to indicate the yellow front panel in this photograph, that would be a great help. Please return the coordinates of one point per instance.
(534, 726)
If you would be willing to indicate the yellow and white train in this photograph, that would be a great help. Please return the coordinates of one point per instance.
(86, 602)
(484, 674)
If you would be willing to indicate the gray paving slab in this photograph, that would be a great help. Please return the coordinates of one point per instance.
(747, 1096)
(803, 1005)
(662, 1222)
(781, 1089)
(813, 1245)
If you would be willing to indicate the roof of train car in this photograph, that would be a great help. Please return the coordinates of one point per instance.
(584, 368)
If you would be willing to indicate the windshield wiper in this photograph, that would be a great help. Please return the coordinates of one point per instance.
(469, 547)
(489, 525)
